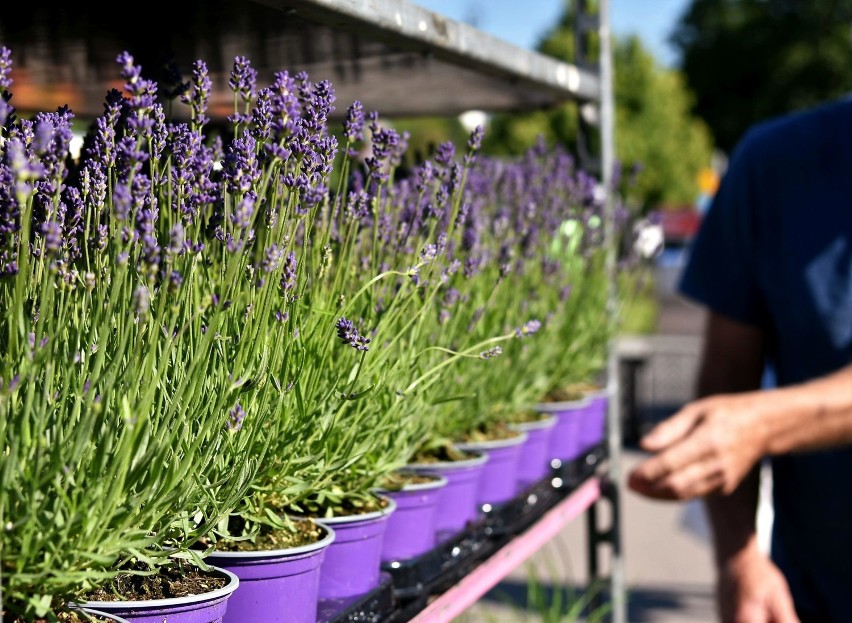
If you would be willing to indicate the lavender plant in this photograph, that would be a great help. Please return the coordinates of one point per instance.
(389, 247)
(533, 280)
(140, 380)
(205, 330)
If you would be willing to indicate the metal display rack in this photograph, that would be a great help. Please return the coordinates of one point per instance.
(396, 58)
(489, 573)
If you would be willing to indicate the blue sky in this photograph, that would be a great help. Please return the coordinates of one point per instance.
(523, 23)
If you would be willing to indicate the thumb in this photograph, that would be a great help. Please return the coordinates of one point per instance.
(781, 609)
(671, 430)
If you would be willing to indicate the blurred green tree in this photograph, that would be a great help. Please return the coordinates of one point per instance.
(654, 126)
(747, 60)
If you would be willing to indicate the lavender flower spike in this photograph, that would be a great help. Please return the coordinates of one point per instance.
(530, 327)
(5, 68)
(347, 332)
(353, 124)
(243, 80)
(236, 417)
(494, 351)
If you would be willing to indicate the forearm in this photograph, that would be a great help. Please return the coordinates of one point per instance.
(732, 520)
(732, 362)
(810, 416)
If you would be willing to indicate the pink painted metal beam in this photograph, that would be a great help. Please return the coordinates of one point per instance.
(488, 574)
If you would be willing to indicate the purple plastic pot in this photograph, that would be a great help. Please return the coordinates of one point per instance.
(411, 529)
(457, 504)
(565, 438)
(352, 564)
(593, 427)
(534, 463)
(276, 586)
(499, 479)
(204, 608)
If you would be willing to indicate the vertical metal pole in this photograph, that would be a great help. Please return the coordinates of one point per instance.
(592, 546)
(614, 435)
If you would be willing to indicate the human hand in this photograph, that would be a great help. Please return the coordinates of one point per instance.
(706, 447)
(751, 589)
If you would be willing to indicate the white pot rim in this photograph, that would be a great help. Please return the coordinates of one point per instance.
(494, 444)
(438, 481)
(548, 422)
(480, 458)
(107, 615)
(327, 540)
(106, 606)
(562, 405)
(387, 510)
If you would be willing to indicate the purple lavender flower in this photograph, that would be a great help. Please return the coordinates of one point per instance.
(236, 417)
(353, 124)
(347, 332)
(5, 68)
(494, 351)
(357, 207)
(475, 140)
(43, 136)
(451, 297)
(198, 93)
(318, 107)
(243, 80)
(243, 215)
(444, 154)
(425, 175)
(52, 233)
(130, 157)
(143, 93)
(429, 253)
(241, 168)
(12, 385)
(6, 109)
(271, 258)
(24, 171)
(285, 102)
(530, 327)
(288, 278)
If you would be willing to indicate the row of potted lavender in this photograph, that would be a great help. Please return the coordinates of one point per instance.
(227, 346)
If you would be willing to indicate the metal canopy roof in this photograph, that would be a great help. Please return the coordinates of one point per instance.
(395, 57)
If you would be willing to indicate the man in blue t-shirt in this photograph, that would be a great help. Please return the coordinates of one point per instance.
(772, 262)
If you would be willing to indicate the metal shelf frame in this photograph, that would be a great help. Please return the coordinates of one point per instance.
(488, 574)
(395, 57)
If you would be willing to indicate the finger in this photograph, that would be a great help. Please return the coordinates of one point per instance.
(781, 608)
(674, 458)
(696, 480)
(671, 430)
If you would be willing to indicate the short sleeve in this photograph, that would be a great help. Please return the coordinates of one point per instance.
(722, 267)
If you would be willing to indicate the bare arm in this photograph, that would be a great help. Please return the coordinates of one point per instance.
(732, 362)
(711, 444)
(693, 446)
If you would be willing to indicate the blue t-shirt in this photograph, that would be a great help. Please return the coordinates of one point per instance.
(775, 250)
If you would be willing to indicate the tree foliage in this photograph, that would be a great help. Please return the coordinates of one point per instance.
(655, 129)
(747, 60)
